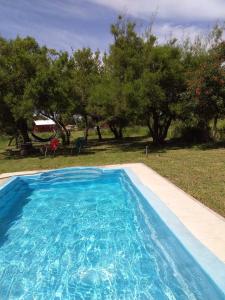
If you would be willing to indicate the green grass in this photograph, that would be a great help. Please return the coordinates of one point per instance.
(198, 170)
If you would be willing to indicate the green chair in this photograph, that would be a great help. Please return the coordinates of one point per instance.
(79, 144)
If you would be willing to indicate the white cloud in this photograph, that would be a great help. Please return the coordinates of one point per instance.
(166, 31)
(55, 23)
(185, 10)
(60, 39)
(76, 23)
(44, 7)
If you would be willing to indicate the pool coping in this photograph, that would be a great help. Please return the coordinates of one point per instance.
(173, 206)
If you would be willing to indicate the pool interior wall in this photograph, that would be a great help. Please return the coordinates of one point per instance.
(211, 265)
(161, 258)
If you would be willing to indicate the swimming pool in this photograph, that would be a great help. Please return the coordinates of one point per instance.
(88, 233)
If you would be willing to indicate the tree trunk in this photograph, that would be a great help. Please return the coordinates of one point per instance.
(66, 133)
(215, 127)
(156, 138)
(157, 131)
(99, 132)
(205, 131)
(86, 128)
(165, 129)
(114, 131)
(120, 133)
(23, 130)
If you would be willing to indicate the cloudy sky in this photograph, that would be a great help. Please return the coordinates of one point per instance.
(71, 24)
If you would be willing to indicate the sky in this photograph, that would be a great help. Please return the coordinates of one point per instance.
(71, 24)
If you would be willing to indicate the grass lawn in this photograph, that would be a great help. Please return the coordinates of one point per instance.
(198, 170)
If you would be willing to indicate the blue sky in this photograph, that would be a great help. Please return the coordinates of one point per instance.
(66, 24)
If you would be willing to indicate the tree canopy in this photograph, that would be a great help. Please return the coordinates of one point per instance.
(138, 81)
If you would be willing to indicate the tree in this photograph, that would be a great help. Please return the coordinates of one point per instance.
(206, 86)
(160, 87)
(19, 62)
(7, 121)
(50, 90)
(86, 72)
(106, 103)
(114, 97)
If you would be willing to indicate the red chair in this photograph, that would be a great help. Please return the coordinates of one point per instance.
(54, 144)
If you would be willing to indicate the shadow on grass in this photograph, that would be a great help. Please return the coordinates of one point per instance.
(60, 153)
(140, 143)
(131, 144)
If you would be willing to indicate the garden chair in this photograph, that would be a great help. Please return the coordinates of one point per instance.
(79, 144)
(53, 146)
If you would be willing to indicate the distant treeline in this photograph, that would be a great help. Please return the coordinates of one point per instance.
(138, 82)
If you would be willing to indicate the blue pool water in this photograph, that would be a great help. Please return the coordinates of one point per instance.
(89, 234)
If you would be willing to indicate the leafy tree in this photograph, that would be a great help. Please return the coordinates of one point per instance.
(110, 111)
(206, 87)
(86, 72)
(50, 90)
(19, 62)
(138, 81)
(160, 87)
(7, 122)
(114, 97)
